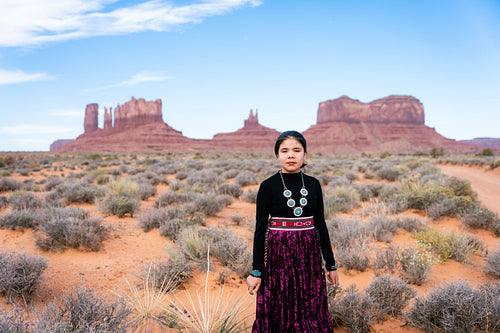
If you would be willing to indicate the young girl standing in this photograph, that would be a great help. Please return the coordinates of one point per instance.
(290, 238)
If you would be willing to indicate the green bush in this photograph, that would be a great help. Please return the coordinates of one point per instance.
(122, 198)
(449, 245)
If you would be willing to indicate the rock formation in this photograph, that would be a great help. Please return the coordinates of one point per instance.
(90, 120)
(484, 142)
(393, 123)
(137, 112)
(108, 119)
(344, 125)
(252, 137)
(58, 143)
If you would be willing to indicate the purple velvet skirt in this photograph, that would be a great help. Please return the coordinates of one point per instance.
(292, 296)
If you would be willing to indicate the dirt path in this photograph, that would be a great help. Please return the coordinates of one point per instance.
(485, 182)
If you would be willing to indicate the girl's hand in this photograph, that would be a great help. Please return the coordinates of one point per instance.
(333, 277)
(253, 284)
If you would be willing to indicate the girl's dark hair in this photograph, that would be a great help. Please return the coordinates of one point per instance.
(289, 134)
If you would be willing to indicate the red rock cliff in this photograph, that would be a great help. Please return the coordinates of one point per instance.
(90, 120)
(391, 109)
(137, 112)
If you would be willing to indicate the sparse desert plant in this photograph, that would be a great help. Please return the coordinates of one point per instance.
(386, 260)
(122, 198)
(192, 246)
(237, 219)
(355, 256)
(450, 245)
(451, 207)
(411, 224)
(415, 264)
(245, 178)
(24, 200)
(179, 219)
(145, 191)
(211, 204)
(13, 322)
(233, 190)
(4, 201)
(168, 274)
(19, 219)
(388, 173)
(83, 310)
(480, 217)
(382, 228)
(493, 263)
(20, 274)
(79, 191)
(250, 196)
(168, 198)
(67, 231)
(456, 307)
(390, 294)
(215, 311)
(52, 182)
(352, 309)
(343, 232)
(9, 184)
(203, 177)
(152, 218)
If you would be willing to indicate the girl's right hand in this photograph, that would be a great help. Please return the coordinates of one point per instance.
(253, 284)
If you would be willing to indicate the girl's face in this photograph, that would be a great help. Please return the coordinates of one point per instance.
(291, 155)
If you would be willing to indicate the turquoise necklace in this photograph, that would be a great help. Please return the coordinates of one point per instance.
(297, 211)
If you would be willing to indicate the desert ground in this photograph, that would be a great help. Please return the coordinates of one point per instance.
(128, 248)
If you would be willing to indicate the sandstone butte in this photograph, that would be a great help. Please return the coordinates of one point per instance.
(344, 125)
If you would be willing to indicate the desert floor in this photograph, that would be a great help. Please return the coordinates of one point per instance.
(129, 249)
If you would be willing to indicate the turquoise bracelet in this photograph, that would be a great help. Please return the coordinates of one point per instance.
(256, 273)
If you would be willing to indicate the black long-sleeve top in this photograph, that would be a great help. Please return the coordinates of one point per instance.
(272, 203)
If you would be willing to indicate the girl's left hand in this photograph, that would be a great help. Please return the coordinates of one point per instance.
(333, 277)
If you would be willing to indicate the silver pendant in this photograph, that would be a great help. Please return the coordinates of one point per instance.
(304, 192)
(290, 203)
(297, 211)
(287, 193)
(303, 201)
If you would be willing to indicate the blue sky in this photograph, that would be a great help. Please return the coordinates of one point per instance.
(210, 62)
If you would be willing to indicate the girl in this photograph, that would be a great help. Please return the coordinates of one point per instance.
(290, 237)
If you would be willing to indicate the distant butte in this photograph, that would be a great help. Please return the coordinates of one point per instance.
(344, 125)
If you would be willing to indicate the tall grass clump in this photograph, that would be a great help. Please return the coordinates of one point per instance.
(352, 309)
(390, 294)
(20, 274)
(121, 198)
(457, 307)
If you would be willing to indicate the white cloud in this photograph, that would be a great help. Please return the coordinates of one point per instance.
(34, 22)
(9, 76)
(142, 77)
(29, 129)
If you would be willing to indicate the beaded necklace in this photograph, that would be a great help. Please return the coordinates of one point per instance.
(297, 211)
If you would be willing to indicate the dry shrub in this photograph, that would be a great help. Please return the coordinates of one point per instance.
(20, 274)
(210, 205)
(250, 196)
(390, 294)
(19, 219)
(9, 184)
(415, 264)
(245, 178)
(122, 198)
(493, 263)
(233, 190)
(82, 310)
(457, 307)
(79, 191)
(352, 309)
(22, 200)
(68, 231)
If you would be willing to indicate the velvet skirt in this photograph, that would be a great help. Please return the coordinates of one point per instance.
(292, 296)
